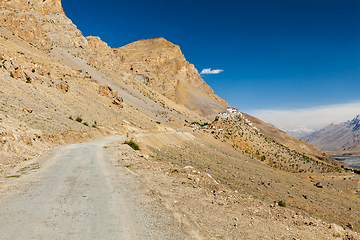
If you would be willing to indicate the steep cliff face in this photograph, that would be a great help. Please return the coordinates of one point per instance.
(160, 65)
(41, 23)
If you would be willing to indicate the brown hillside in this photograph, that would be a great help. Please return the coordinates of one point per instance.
(268, 145)
(160, 65)
(292, 143)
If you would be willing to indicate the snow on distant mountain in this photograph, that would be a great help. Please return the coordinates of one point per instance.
(299, 133)
(337, 137)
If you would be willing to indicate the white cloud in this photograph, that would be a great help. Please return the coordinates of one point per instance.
(309, 118)
(209, 71)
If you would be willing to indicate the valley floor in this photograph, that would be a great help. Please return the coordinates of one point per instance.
(106, 190)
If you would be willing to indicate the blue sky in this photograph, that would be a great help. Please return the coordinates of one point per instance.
(280, 55)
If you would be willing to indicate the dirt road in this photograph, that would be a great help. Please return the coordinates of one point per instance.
(80, 194)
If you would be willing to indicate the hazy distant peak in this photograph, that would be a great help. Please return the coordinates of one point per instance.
(337, 137)
(300, 132)
(355, 123)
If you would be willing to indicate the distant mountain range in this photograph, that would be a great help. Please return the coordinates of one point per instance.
(344, 137)
(299, 133)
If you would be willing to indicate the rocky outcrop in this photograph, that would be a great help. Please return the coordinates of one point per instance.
(18, 142)
(41, 23)
(160, 65)
(63, 87)
(107, 91)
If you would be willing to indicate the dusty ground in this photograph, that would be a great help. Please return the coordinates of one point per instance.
(215, 211)
(79, 193)
(335, 201)
(148, 197)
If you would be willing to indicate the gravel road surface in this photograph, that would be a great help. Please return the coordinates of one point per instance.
(80, 193)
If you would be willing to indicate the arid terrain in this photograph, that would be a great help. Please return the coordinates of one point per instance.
(203, 171)
(105, 189)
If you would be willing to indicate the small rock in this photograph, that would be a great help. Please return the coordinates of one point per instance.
(336, 230)
(319, 185)
(27, 110)
(349, 225)
(221, 203)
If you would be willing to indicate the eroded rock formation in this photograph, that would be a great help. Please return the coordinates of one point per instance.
(41, 23)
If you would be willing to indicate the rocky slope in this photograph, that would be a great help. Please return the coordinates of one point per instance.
(160, 65)
(226, 173)
(292, 143)
(338, 137)
(271, 146)
(18, 142)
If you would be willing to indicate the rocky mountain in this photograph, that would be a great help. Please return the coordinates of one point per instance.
(338, 137)
(161, 66)
(155, 63)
